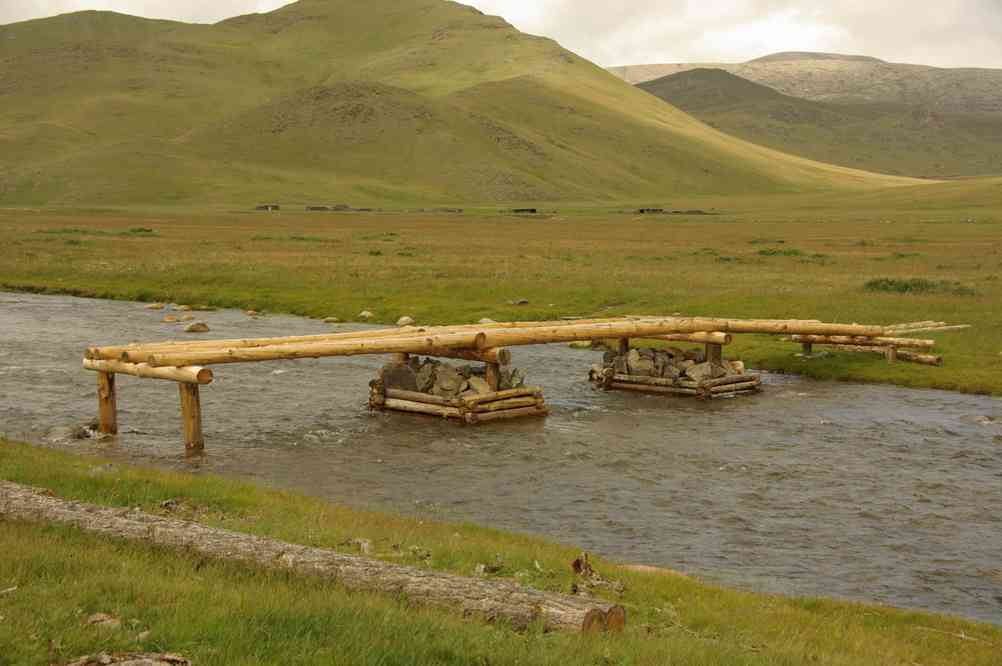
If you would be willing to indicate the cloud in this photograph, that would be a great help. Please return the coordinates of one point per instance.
(949, 33)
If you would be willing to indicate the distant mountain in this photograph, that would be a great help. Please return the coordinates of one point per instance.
(889, 138)
(829, 77)
(327, 101)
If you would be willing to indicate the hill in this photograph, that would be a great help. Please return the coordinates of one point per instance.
(323, 101)
(830, 77)
(888, 138)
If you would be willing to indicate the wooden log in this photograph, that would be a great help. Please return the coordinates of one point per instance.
(654, 328)
(935, 329)
(498, 356)
(910, 357)
(624, 346)
(646, 381)
(426, 398)
(807, 348)
(643, 388)
(190, 375)
(921, 359)
(107, 404)
(413, 407)
(725, 381)
(714, 353)
(138, 352)
(713, 337)
(492, 376)
(473, 418)
(484, 598)
(863, 341)
(915, 325)
(191, 417)
(510, 403)
(474, 400)
(414, 345)
(731, 388)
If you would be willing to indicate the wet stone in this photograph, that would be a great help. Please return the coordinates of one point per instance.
(400, 377)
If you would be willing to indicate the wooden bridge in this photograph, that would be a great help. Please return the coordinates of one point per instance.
(187, 362)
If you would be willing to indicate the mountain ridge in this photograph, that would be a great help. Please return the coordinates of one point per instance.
(838, 78)
(328, 100)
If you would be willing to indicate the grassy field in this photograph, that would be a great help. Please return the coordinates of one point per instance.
(336, 101)
(886, 138)
(216, 613)
(798, 257)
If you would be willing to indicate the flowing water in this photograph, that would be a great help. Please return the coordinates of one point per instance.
(873, 493)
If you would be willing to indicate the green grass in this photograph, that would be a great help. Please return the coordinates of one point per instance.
(327, 102)
(461, 268)
(216, 613)
(885, 138)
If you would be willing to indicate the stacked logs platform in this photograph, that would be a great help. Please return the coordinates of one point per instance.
(674, 372)
(189, 363)
(520, 403)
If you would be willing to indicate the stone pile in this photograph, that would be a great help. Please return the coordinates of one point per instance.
(460, 392)
(445, 380)
(673, 371)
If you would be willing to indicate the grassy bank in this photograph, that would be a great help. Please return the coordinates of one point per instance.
(802, 258)
(224, 614)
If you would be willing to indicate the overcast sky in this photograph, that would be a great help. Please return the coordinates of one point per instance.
(948, 33)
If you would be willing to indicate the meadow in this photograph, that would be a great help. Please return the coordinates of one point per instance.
(53, 579)
(880, 260)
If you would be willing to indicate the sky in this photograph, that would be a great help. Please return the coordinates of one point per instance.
(947, 33)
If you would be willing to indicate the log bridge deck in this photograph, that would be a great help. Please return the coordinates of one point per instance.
(187, 362)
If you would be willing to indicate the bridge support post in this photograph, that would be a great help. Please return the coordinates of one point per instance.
(191, 417)
(624, 346)
(808, 349)
(714, 354)
(107, 404)
(493, 376)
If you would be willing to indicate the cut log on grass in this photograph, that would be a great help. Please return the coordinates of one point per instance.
(414, 407)
(492, 600)
(911, 343)
(190, 375)
(935, 329)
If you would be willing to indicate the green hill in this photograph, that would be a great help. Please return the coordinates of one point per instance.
(325, 101)
(888, 138)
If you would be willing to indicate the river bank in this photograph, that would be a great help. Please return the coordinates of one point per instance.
(214, 613)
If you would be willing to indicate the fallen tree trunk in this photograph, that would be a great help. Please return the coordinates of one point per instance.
(488, 599)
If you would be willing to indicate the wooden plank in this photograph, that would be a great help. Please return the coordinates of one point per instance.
(191, 417)
(510, 403)
(107, 404)
(189, 375)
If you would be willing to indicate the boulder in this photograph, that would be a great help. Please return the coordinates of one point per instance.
(485, 320)
(197, 327)
(705, 371)
(479, 385)
(425, 377)
(448, 382)
(365, 315)
(696, 355)
(511, 378)
(400, 377)
(405, 321)
(639, 364)
(188, 317)
(156, 306)
(332, 320)
(252, 313)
